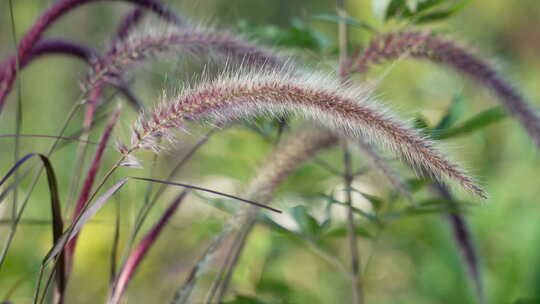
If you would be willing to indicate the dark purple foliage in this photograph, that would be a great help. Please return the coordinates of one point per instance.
(34, 34)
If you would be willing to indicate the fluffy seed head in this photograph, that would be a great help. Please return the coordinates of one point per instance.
(422, 45)
(341, 107)
(156, 41)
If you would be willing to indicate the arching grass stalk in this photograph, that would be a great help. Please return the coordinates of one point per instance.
(344, 108)
(89, 182)
(125, 275)
(139, 46)
(464, 241)
(162, 41)
(94, 96)
(422, 45)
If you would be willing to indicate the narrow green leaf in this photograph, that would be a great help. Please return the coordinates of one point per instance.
(380, 7)
(240, 299)
(441, 14)
(416, 184)
(527, 301)
(265, 219)
(375, 201)
(347, 20)
(454, 113)
(420, 123)
(218, 203)
(477, 122)
(308, 224)
(341, 231)
(370, 217)
(430, 206)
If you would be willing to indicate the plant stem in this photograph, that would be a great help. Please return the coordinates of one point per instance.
(351, 229)
(348, 175)
(18, 110)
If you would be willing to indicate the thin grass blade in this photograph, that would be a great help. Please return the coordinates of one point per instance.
(138, 254)
(90, 178)
(57, 222)
(58, 227)
(81, 220)
(209, 191)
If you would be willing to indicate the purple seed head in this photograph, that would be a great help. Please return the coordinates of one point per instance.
(343, 108)
(422, 45)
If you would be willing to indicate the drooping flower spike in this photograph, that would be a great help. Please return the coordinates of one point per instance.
(343, 108)
(423, 45)
(160, 42)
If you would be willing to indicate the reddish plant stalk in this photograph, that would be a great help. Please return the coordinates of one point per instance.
(60, 8)
(138, 254)
(47, 47)
(464, 241)
(52, 47)
(88, 183)
(425, 46)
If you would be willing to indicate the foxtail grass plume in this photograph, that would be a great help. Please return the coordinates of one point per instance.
(422, 45)
(48, 18)
(157, 41)
(343, 108)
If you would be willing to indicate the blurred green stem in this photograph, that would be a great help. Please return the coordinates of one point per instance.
(348, 175)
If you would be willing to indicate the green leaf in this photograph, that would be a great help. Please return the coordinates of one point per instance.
(528, 301)
(327, 214)
(477, 122)
(380, 8)
(308, 224)
(265, 219)
(454, 112)
(419, 11)
(430, 206)
(240, 299)
(274, 286)
(442, 14)
(349, 21)
(375, 201)
(433, 17)
(218, 203)
(299, 35)
(420, 123)
(341, 231)
(416, 184)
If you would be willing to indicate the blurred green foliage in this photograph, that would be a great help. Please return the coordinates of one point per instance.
(408, 260)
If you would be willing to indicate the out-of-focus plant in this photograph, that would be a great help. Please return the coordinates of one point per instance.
(264, 89)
